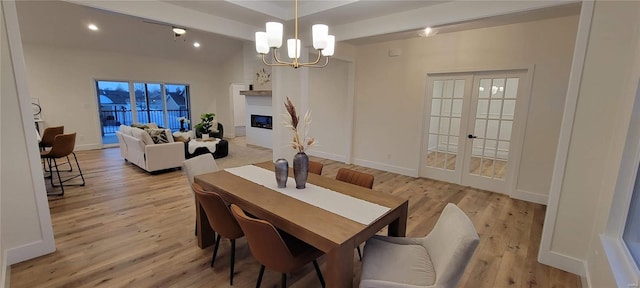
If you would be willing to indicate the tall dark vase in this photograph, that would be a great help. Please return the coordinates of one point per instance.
(282, 172)
(300, 169)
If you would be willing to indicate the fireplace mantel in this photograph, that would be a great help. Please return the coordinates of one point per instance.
(256, 93)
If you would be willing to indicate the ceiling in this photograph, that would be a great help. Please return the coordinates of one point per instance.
(63, 24)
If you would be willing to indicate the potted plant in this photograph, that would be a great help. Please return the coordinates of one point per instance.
(204, 127)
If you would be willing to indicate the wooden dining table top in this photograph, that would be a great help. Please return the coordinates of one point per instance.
(318, 227)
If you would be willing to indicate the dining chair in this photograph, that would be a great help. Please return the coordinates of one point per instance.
(46, 141)
(62, 146)
(357, 178)
(48, 135)
(437, 260)
(197, 166)
(315, 167)
(277, 251)
(354, 177)
(221, 221)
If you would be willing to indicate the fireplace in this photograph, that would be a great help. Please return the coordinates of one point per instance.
(261, 121)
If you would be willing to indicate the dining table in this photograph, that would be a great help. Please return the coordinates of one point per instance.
(330, 215)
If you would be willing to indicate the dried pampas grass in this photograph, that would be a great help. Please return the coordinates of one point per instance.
(291, 121)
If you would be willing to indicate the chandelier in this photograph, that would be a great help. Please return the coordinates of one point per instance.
(272, 40)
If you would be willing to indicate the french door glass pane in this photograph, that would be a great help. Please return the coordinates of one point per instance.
(444, 123)
(435, 107)
(446, 107)
(493, 126)
(511, 89)
(485, 88)
(497, 89)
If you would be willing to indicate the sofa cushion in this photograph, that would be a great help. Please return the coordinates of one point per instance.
(158, 136)
(142, 135)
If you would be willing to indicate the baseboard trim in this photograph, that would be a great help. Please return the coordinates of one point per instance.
(6, 272)
(386, 167)
(29, 251)
(88, 147)
(325, 155)
(530, 196)
(563, 262)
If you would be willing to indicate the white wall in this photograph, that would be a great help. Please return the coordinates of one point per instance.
(232, 71)
(64, 81)
(26, 225)
(390, 91)
(597, 140)
(328, 103)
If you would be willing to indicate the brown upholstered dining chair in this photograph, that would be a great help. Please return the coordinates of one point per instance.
(46, 141)
(315, 167)
(221, 221)
(278, 251)
(62, 146)
(354, 177)
(357, 178)
(48, 135)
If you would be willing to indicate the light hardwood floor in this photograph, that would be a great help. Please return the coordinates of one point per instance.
(127, 228)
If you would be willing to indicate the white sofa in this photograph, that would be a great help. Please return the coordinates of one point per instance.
(137, 147)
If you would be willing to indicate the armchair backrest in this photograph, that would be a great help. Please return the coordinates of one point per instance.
(199, 165)
(220, 132)
(451, 244)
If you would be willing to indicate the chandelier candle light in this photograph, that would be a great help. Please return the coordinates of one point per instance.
(272, 39)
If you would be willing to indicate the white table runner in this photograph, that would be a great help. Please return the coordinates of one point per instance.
(344, 205)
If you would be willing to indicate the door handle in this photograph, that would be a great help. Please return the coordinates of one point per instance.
(470, 136)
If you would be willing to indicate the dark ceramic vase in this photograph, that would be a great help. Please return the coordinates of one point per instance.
(300, 169)
(282, 172)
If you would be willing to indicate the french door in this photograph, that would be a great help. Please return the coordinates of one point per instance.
(474, 124)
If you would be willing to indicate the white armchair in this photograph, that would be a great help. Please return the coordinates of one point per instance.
(437, 260)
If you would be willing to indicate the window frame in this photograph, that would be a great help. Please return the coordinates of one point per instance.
(133, 100)
(625, 269)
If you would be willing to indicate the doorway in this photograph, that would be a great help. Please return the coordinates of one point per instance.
(474, 128)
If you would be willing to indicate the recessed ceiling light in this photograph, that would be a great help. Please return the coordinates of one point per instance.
(196, 44)
(92, 27)
(426, 32)
(179, 31)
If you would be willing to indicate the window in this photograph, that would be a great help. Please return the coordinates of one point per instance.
(159, 103)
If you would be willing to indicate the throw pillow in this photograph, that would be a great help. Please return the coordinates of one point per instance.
(157, 135)
(141, 126)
